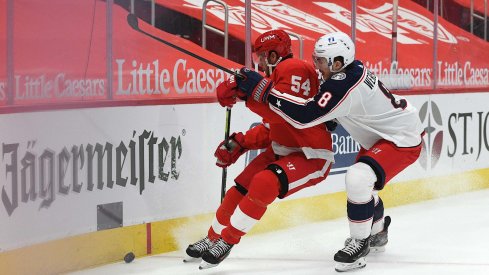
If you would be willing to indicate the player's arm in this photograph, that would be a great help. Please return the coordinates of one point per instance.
(297, 111)
(257, 137)
(228, 152)
(304, 113)
(263, 111)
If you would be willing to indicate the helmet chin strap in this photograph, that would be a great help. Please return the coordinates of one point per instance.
(272, 66)
(335, 71)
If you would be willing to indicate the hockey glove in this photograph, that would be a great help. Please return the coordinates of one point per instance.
(228, 153)
(226, 92)
(254, 85)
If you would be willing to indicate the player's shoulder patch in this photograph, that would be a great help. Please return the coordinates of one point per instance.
(339, 76)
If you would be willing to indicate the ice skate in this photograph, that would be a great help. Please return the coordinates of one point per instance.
(194, 251)
(379, 240)
(216, 254)
(352, 256)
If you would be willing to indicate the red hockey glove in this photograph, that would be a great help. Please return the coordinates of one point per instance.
(229, 153)
(254, 85)
(226, 92)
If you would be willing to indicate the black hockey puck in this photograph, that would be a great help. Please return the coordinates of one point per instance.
(129, 257)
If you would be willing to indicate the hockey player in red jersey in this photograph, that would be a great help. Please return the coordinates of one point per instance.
(385, 125)
(293, 159)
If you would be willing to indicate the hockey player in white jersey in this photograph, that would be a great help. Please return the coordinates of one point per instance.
(385, 125)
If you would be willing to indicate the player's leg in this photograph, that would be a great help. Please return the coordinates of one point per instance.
(280, 179)
(301, 172)
(369, 174)
(387, 160)
(286, 175)
(221, 219)
(226, 209)
(380, 225)
(237, 192)
(378, 219)
(263, 190)
(228, 205)
(360, 180)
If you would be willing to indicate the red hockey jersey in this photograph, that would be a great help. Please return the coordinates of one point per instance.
(298, 78)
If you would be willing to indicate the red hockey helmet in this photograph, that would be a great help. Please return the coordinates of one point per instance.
(274, 40)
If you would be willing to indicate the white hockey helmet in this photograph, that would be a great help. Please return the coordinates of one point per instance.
(334, 45)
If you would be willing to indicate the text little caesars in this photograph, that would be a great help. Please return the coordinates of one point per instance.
(32, 173)
(133, 78)
(151, 79)
(43, 87)
(448, 74)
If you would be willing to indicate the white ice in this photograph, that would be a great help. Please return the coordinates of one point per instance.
(442, 237)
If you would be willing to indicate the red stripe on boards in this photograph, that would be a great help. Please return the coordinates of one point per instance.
(148, 238)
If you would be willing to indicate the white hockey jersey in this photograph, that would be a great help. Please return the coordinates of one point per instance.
(360, 103)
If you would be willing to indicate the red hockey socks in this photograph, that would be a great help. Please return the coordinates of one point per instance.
(263, 190)
(224, 212)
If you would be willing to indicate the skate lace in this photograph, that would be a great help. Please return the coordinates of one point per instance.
(220, 248)
(353, 246)
(203, 244)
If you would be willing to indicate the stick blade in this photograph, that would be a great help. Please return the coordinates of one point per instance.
(132, 20)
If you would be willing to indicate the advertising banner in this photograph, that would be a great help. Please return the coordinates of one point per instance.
(58, 51)
(145, 68)
(60, 54)
(59, 168)
(3, 52)
(460, 61)
(80, 52)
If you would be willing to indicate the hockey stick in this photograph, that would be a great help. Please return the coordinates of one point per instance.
(132, 20)
(226, 139)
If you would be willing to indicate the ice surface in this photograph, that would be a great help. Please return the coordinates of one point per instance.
(442, 237)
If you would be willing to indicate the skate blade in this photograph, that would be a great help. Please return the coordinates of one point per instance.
(377, 249)
(342, 267)
(188, 259)
(206, 265)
